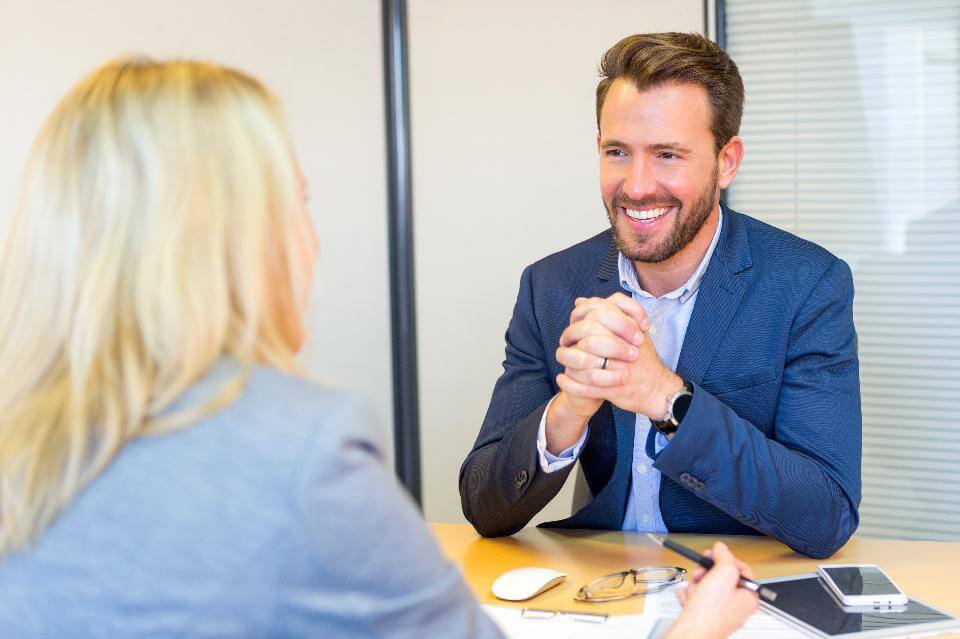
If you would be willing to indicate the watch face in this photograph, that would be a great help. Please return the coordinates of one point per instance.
(681, 405)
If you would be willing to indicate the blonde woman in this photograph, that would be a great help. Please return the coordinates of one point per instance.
(163, 470)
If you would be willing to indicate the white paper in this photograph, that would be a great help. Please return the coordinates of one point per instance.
(761, 625)
(515, 626)
(658, 605)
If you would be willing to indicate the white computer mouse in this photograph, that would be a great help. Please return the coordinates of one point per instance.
(523, 583)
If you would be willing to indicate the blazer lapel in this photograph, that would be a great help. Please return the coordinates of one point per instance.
(721, 290)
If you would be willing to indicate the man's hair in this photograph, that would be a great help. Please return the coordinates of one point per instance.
(653, 59)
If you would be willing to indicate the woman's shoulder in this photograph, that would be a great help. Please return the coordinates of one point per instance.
(304, 403)
(290, 392)
(280, 415)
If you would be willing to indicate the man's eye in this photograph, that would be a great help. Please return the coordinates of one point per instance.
(666, 155)
(615, 153)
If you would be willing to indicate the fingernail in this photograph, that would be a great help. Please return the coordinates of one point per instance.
(633, 352)
(638, 337)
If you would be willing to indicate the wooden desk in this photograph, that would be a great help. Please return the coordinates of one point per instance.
(926, 570)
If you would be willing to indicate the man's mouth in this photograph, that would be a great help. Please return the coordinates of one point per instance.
(646, 215)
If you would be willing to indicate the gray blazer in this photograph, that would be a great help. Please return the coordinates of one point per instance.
(274, 517)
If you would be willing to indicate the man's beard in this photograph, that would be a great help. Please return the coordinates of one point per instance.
(684, 229)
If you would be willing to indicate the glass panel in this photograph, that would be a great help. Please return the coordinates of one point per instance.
(852, 140)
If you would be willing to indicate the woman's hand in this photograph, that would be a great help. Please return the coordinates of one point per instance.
(713, 605)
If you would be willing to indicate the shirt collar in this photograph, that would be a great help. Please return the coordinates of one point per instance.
(628, 272)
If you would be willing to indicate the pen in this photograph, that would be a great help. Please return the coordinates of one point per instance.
(707, 563)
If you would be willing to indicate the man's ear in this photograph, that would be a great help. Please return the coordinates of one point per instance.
(728, 162)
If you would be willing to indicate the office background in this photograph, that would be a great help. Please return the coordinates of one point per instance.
(850, 130)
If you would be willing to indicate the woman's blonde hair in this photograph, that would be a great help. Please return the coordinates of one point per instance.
(159, 228)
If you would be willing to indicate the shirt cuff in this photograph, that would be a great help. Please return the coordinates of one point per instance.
(661, 442)
(656, 442)
(550, 462)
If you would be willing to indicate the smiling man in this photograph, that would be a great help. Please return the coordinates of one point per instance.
(701, 365)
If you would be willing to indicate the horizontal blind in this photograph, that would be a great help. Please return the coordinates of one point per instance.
(852, 138)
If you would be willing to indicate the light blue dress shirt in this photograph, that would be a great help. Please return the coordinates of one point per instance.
(670, 313)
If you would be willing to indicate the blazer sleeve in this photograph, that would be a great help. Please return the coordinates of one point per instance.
(364, 564)
(501, 484)
(801, 486)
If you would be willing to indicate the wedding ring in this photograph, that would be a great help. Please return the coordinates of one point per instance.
(602, 363)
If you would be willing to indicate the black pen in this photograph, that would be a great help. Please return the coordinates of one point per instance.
(707, 563)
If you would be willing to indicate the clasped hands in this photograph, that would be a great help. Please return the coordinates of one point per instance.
(635, 379)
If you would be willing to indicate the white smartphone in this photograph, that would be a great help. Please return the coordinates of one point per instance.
(861, 585)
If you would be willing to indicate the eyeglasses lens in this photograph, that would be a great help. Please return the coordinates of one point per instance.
(630, 583)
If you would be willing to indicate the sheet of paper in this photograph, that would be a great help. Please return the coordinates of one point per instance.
(659, 606)
(515, 626)
(761, 625)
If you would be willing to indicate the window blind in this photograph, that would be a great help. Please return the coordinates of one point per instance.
(852, 137)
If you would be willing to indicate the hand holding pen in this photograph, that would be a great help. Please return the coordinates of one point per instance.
(745, 581)
(715, 603)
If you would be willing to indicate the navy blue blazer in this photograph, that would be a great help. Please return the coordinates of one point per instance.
(771, 442)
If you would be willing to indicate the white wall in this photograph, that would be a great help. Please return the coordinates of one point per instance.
(505, 172)
(323, 58)
(503, 150)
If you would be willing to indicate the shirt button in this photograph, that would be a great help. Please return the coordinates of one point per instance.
(646, 519)
(641, 469)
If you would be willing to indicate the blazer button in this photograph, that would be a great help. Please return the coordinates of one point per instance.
(686, 479)
(521, 479)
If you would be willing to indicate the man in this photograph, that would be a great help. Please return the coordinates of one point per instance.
(700, 365)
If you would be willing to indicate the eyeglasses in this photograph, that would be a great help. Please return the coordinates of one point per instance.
(629, 583)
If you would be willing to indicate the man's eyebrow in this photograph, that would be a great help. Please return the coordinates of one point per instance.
(608, 143)
(669, 146)
(659, 146)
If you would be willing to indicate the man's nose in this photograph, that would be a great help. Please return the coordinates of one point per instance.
(640, 181)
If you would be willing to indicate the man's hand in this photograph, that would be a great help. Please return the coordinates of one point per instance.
(600, 329)
(635, 378)
(713, 604)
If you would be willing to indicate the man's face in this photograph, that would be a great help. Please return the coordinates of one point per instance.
(658, 167)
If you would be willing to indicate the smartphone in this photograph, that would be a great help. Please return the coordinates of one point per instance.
(861, 585)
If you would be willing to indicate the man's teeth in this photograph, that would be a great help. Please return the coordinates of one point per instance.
(648, 214)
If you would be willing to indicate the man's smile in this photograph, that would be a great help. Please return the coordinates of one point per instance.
(646, 214)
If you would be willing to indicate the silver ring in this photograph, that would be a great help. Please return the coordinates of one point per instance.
(602, 363)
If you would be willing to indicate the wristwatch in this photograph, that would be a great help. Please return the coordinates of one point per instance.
(677, 405)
